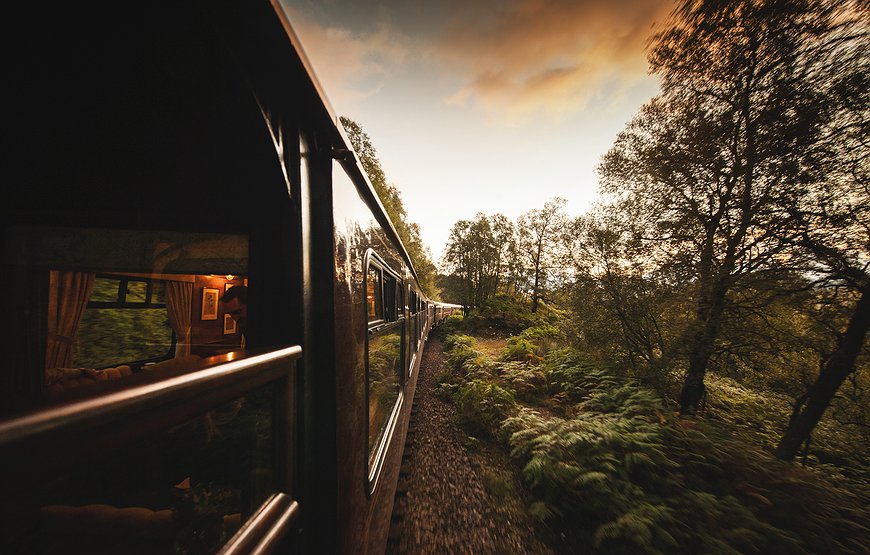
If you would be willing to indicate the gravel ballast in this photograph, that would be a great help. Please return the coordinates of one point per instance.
(442, 505)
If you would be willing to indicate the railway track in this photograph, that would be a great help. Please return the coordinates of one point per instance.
(441, 503)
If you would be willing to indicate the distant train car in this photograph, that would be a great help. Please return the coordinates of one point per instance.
(213, 330)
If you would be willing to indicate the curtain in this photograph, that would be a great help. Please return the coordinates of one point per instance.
(179, 303)
(68, 294)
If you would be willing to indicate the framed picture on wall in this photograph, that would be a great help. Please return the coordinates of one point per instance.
(229, 325)
(210, 303)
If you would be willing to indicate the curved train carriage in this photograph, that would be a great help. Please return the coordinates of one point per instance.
(212, 329)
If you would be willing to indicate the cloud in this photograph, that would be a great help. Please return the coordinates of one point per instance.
(351, 65)
(524, 58)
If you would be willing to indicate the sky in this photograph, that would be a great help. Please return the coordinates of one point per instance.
(492, 106)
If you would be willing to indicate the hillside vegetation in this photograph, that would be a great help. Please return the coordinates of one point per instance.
(612, 467)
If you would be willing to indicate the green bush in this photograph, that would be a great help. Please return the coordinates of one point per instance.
(526, 380)
(465, 359)
(520, 349)
(572, 375)
(481, 407)
(446, 384)
(453, 340)
(621, 476)
(543, 336)
(502, 314)
(453, 325)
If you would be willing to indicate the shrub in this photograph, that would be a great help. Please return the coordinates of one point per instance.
(623, 477)
(453, 324)
(570, 373)
(446, 384)
(481, 407)
(453, 340)
(526, 380)
(465, 359)
(501, 314)
(542, 335)
(520, 349)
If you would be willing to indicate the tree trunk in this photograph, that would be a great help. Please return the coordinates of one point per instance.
(708, 321)
(700, 352)
(810, 408)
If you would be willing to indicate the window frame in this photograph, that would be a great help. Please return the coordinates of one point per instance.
(122, 304)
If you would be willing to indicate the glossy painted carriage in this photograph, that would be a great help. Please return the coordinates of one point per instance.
(158, 161)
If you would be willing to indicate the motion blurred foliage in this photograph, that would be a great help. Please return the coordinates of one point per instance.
(732, 232)
(610, 466)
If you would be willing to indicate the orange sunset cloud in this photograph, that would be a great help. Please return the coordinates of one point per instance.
(527, 57)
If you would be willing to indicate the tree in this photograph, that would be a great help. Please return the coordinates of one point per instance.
(621, 303)
(716, 161)
(832, 224)
(539, 237)
(391, 198)
(478, 255)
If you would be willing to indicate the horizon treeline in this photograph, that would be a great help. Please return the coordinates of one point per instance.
(732, 233)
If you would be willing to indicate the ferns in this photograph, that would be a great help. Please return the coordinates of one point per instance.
(611, 468)
(481, 407)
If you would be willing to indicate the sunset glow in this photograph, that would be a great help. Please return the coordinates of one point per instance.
(505, 105)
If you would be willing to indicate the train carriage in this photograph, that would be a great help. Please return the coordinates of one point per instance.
(157, 163)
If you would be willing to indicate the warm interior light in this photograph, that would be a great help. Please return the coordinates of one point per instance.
(230, 277)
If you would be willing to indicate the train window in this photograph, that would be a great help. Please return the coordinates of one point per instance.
(94, 314)
(400, 307)
(125, 320)
(374, 294)
(96, 305)
(384, 362)
(390, 312)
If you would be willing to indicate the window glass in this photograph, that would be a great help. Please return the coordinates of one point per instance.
(400, 308)
(384, 363)
(389, 297)
(158, 292)
(113, 331)
(108, 336)
(137, 291)
(373, 294)
(384, 385)
(105, 290)
(101, 304)
(184, 490)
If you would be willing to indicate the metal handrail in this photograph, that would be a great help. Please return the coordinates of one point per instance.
(263, 532)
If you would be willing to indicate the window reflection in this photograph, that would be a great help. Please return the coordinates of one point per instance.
(186, 490)
(385, 359)
(107, 305)
(373, 294)
(385, 366)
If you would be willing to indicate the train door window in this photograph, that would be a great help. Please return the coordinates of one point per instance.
(384, 361)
